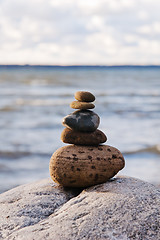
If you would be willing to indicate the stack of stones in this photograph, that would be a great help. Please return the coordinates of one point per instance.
(86, 162)
(81, 125)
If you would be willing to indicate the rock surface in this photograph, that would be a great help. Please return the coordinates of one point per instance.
(83, 138)
(121, 209)
(81, 105)
(28, 204)
(84, 96)
(82, 121)
(84, 166)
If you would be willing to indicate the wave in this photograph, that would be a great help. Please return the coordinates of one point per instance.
(152, 149)
(39, 102)
(117, 93)
(62, 93)
(20, 154)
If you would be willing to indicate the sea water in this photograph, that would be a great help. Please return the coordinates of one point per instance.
(34, 100)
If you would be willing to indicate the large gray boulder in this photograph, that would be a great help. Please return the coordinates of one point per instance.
(120, 209)
(28, 204)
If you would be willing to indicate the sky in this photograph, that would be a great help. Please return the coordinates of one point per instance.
(87, 32)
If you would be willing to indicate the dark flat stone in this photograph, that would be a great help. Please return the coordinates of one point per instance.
(82, 121)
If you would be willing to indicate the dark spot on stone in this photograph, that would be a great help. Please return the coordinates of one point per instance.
(75, 158)
(100, 149)
(109, 150)
(90, 149)
(109, 159)
(72, 168)
(78, 169)
(68, 157)
(73, 181)
(104, 170)
(121, 158)
(93, 167)
(80, 152)
(74, 155)
(98, 158)
(114, 156)
(96, 177)
(89, 157)
(91, 175)
(64, 175)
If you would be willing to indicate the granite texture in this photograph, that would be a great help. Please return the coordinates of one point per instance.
(28, 204)
(120, 209)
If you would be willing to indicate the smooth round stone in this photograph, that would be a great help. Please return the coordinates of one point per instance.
(83, 138)
(84, 166)
(81, 105)
(82, 121)
(84, 96)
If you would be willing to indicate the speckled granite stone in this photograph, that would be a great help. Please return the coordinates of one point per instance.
(120, 209)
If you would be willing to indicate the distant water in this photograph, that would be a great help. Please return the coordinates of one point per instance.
(33, 101)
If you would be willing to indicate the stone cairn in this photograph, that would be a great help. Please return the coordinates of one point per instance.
(86, 162)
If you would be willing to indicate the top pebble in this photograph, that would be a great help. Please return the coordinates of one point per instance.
(83, 96)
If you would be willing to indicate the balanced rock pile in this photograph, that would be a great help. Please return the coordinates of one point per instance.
(86, 162)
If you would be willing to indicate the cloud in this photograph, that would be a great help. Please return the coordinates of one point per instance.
(79, 32)
(152, 29)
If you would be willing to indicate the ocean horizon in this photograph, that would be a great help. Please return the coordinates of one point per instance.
(80, 66)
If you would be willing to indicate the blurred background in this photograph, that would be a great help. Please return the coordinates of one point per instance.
(49, 49)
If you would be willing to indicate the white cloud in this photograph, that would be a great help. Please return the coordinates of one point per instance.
(143, 15)
(150, 30)
(79, 32)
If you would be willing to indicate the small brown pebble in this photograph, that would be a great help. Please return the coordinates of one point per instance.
(86, 171)
(81, 105)
(84, 96)
(83, 138)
